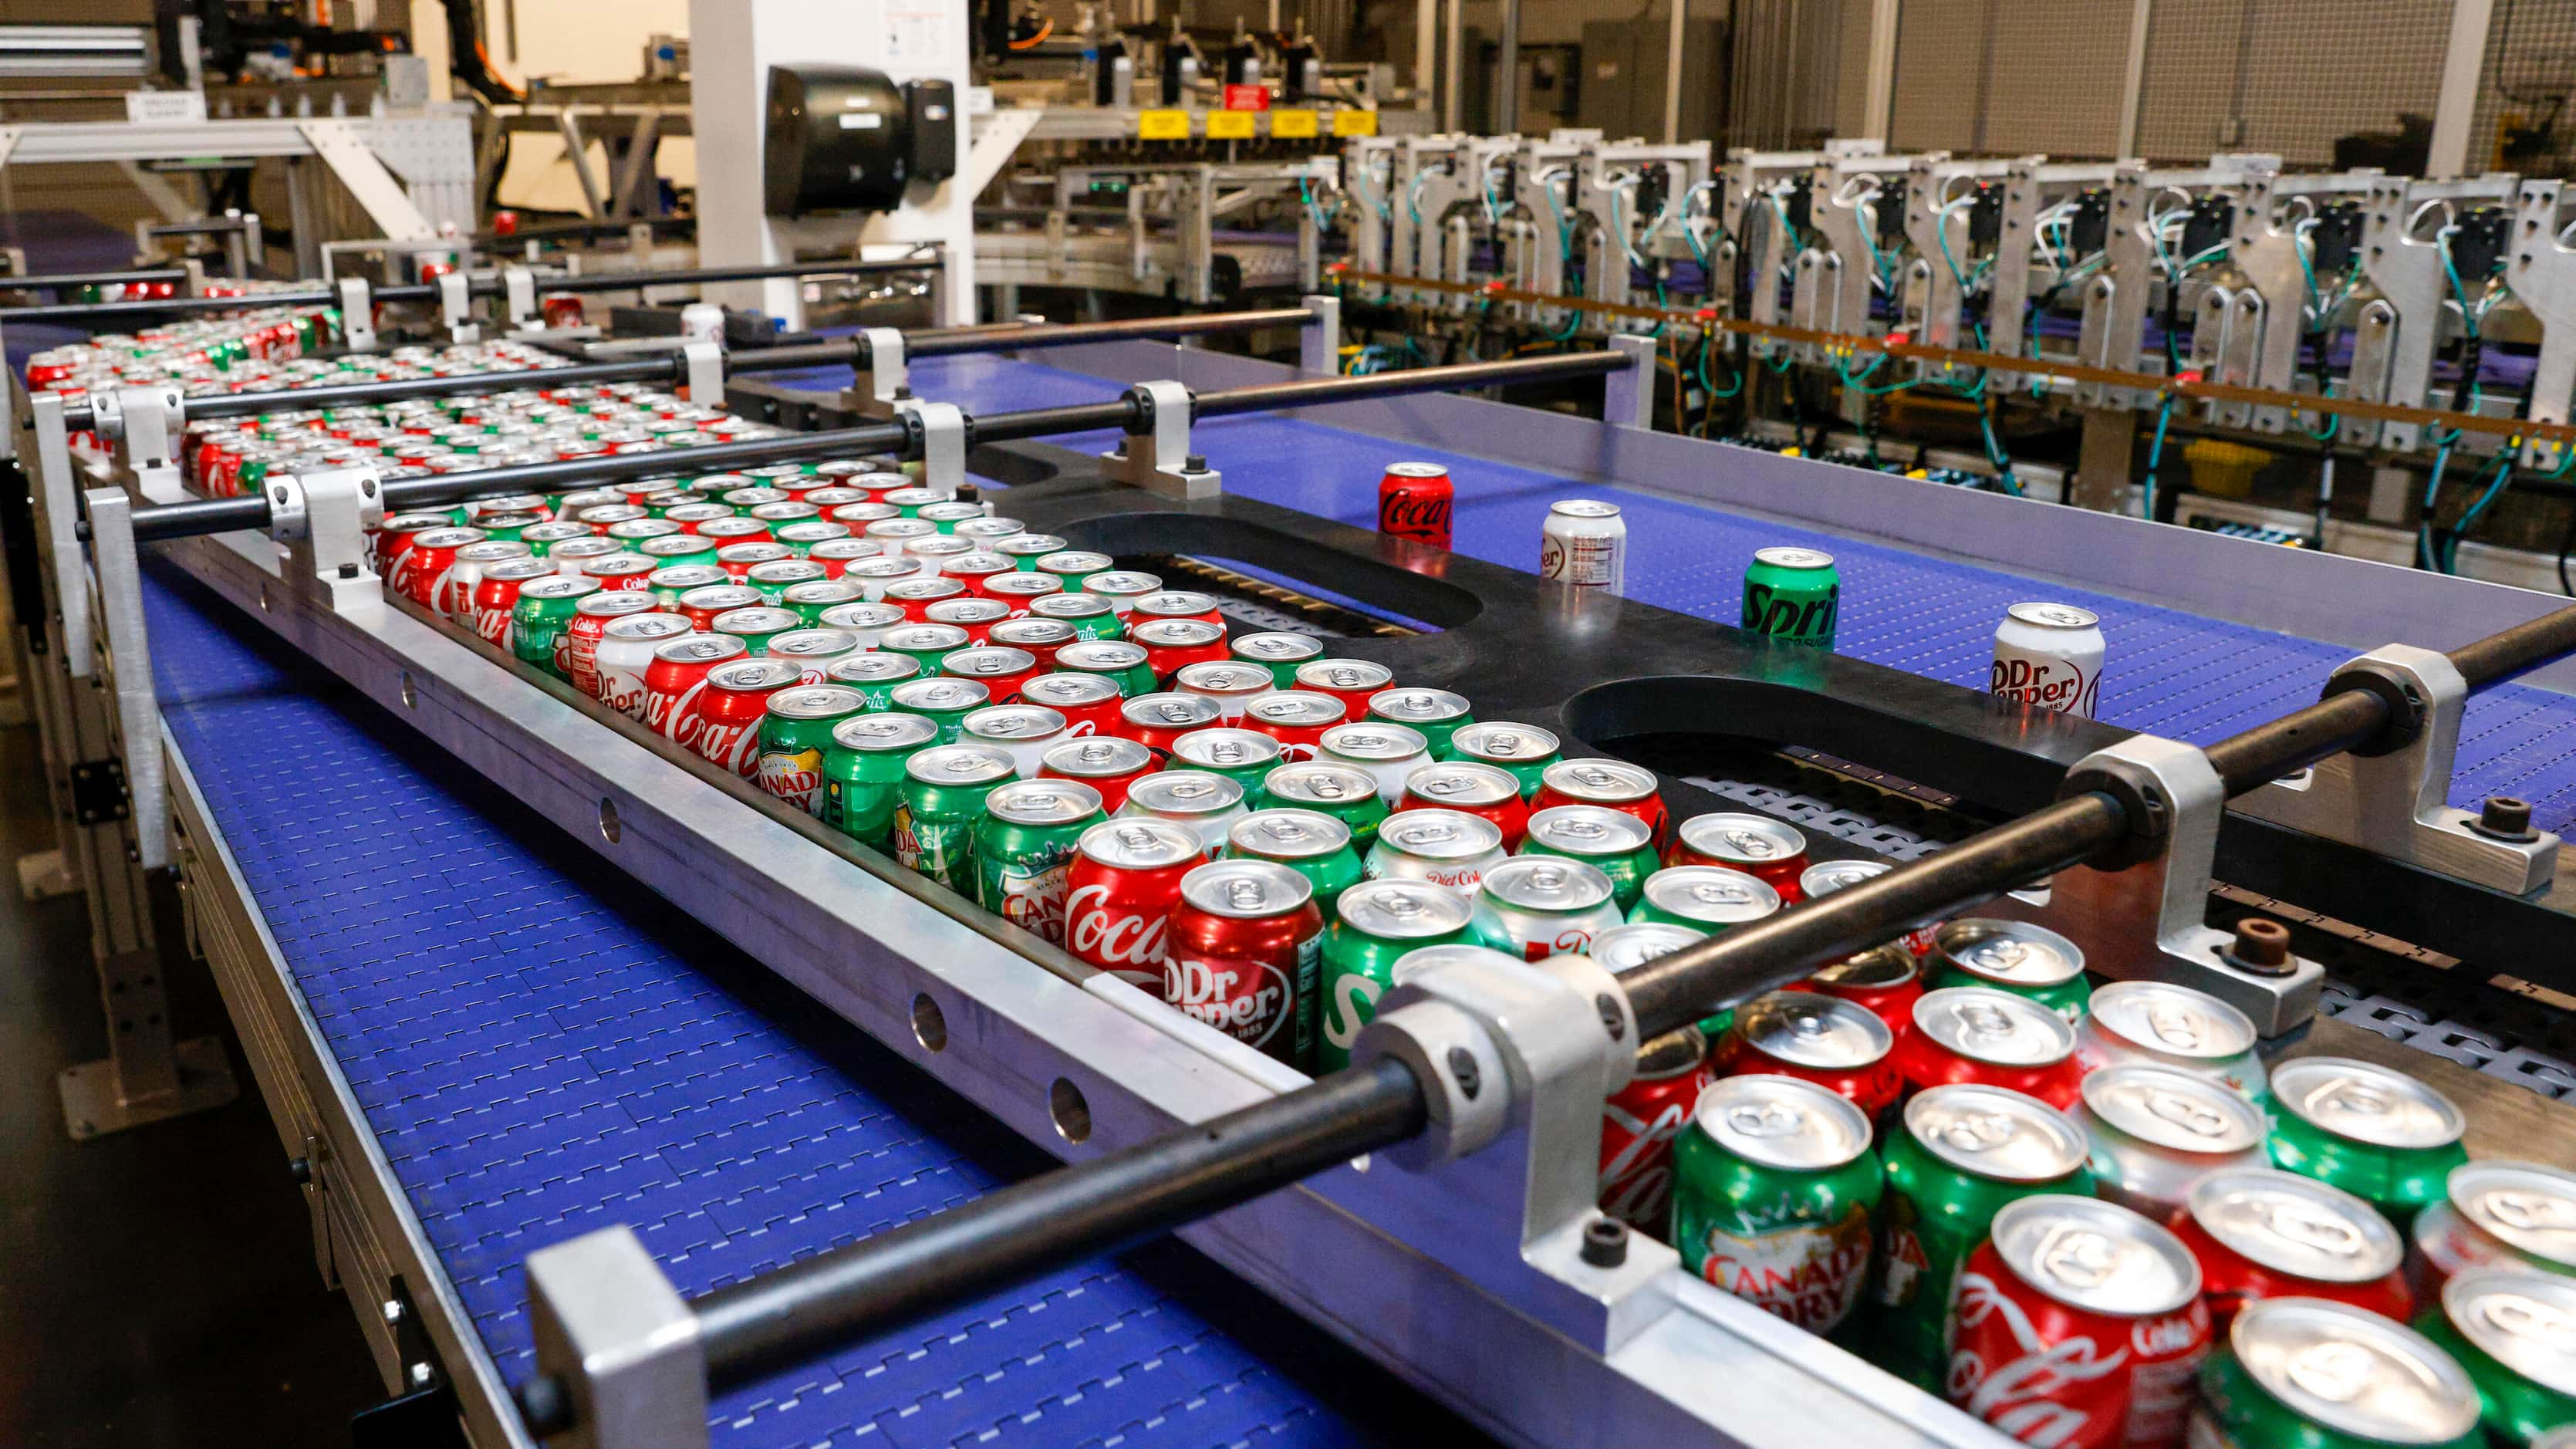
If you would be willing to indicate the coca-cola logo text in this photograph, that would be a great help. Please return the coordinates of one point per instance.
(1094, 932)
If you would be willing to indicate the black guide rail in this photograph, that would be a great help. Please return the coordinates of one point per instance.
(1014, 337)
(780, 1318)
(56, 281)
(900, 437)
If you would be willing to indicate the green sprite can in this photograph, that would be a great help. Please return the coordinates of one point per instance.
(679, 548)
(1791, 594)
(1346, 793)
(1434, 714)
(1375, 924)
(1073, 566)
(1774, 1186)
(1959, 1155)
(774, 578)
(1522, 751)
(1614, 842)
(2306, 1373)
(863, 772)
(2374, 1132)
(795, 731)
(1090, 616)
(2015, 957)
(542, 617)
(2514, 1330)
(1022, 847)
(925, 644)
(1704, 898)
(944, 702)
(1313, 844)
(942, 803)
(1278, 653)
(1243, 756)
(875, 675)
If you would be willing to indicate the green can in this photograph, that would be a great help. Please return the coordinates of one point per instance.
(924, 644)
(774, 578)
(1374, 924)
(875, 675)
(1279, 653)
(1072, 566)
(1614, 842)
(941, 804)
(1522, 751)
(1313, 844)
(1116, 660)
(671, 581)
(539, 621)
(1243, 756)
(809, 599)
(1707, 898)
(756, 626)
(1435, 714)
(1961, 1153)
(863, 772)
(1345, 792)
(795, 731)
(2374, 1132)
(1626, 947)
(1091, 617)
(1791, 594)
(2514, 1330)
(1774, 1187)
(1022, 847)
(944, 702)
(2306, 1373)
(2012, 956)
(506, 527)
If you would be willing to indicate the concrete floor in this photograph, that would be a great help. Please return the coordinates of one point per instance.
(156, 1287)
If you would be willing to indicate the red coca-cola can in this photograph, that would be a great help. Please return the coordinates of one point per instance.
(1817, 1038)
(498, 590)
(431, 559)
(1297, 719)
(590, 619)
(1827, 876)
(1979, 1034)
(599, 518)
(978, 568)
(1486, 791)
(1414, 501)
(1119, 892)
(1156, 720)
(730, 707)
(1884, 979)
(1244, 951)
(1088, 702)
(2259, 1232)
(1106, 763)
(1639, 1123)
(976, 616)
(739, 559)
(620, 572)
(2079, 1324)
(1003, 672)
(1040, 637)
(1757, 845)
(915, 595)
(693, 516)
(393, 542)
(1172, 645)
(701, 605)
(729, 531)
(1351, 681)
(675, 679)
(1020, 589)
(1614, 783)
(1157, 604)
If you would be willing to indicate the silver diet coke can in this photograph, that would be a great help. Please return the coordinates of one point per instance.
(2049, 655)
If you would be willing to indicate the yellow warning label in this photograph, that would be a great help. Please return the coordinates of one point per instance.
(1292, 125)
(1229, 125)
(1162, 125)
(1354, 123)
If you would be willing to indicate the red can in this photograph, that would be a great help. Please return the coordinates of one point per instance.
(1019, 589)
(1155, 720)
(1244, 953)
(431, 559)
(739, 559)
(1297, 719)
(693, 516)
(621, 572)
(1172, 645)
(977, 569)
(737, 529)
(599, 518)
(2079, 1324)
(1614, 783)
(590, 619)
(1351, 681)
(562, 309)
(1106, 763)
(1040, 637)
(1174, 604)
(1088, 702)
(1413, 501)
(1003, 672)
(1486, 791)
(1827, 876)
(1754, 844)
(701, 605)
(730, 707)
(2259, 1232)
(976, 616)
(675, 679)
(1979, 1034)
(394, 543)
(1822, 1039)
(1884, 979)
(1119, 892)
(1638, 1126)
(498, 590)
(915, 595)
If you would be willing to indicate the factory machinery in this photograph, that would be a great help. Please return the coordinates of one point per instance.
(506, 963)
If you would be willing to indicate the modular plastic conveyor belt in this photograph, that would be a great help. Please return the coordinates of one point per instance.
(541, 1054)
(2169, 672)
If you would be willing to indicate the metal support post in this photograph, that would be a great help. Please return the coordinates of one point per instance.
(1628, 395)
(2397, 804)
(357, 313)
(150, 420)
(519, 297)
(705, 361)
(324, 519)
(1319, 344)
(2455, 105)
(456, 307)
(1159, 459)
(623, 1343)
(943, 443)
(886, 378)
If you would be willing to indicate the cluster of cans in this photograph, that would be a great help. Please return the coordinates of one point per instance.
(264, 348)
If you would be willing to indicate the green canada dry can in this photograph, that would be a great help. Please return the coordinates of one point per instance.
(1613, 842)
(1309, 842)
(1956, 1156)
(1791, 596)
(2514, 1330)
(1374, 924)
(1281, 654)
(2014, 956)
(1522, 751)
(1434, 714)
(795, 731)
(863, 772)
(2377, 1133)
(1774, 1187)
(1090, 616)
(541, 621)
(943, 702)
(875, 676)
(1022, 847)
(2306, 1373)
(944, 789)
(1242, 756)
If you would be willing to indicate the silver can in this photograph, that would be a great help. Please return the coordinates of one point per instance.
(1121, 587)
(2156, 1130)
(1208, 804)
(466, 574)
(1708, 898)
(1022, 731)
(863, 621)
(1828, 876)
(2049, 656)
(872, 670)
(1228, 683)
(876, 575)
(1624, 948)
(1225, 750)
(1096, 757)
(1171, 713)
(2014, 956)
(1542, 906)
(1459, 784)
(2526, 1322)
(1445, 847)
(1584, 545)
(625, 651)
(813, 650)
(1388, 752)
(2498, 1215)
(1344, 677)
(2168, 1025)
(1417, 708)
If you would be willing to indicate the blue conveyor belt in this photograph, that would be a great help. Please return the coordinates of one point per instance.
(541, 1054)
(2170, 672)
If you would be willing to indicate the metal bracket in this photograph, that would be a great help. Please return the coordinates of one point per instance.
(2398, 804)
(887, 378)
(357, 314)
(138, 712)
(519, 300)
(1319, 343)
(151, 419)
(324, 519)
(1159, 459)
(422, 1412)
(1628, 395)
(2148, 921)
(456, 307)
(98, 791)
(943, 443)
(2543, 277)
(706, 369)
(615, 1332)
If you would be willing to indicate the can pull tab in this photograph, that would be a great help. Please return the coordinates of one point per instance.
(1245, 895)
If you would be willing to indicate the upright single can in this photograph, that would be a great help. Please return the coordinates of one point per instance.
(1978, 1034)
(1088, 702)
(1024, 846)
(541, 621)
(1413, 502)
(1106, 763)
(1772, 851)
(943, 796)
(1120, 891)
(1615, 783)
(2263, 1233)
(1614, 843)
(1540, 906)
(1434, 714)
(1641, 1121)
(1443, 847)
(1584, 545)
(1240, 755)
(1827, 876)
(1280, 653)
(1348, 795)
(2050, 656)
(730, 709)
(1245, 951)
(1023, 731)
(626, 651)
(1820, 1039)
(1522, 751)
(863, 772)
(2164, 1024)
(1119, 660)
(2367, 1129)
(1375, 922)
(1884, 979)
(1309, 842)
(1388, 752)
(1470, 789)
(1775, 1186)
(2515, 1332)
(2499, 1215)
(1792, 595)
(1205, 803)
(794, 736)
(2155, 1131)
(2305, 1371)
(2015, 956)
